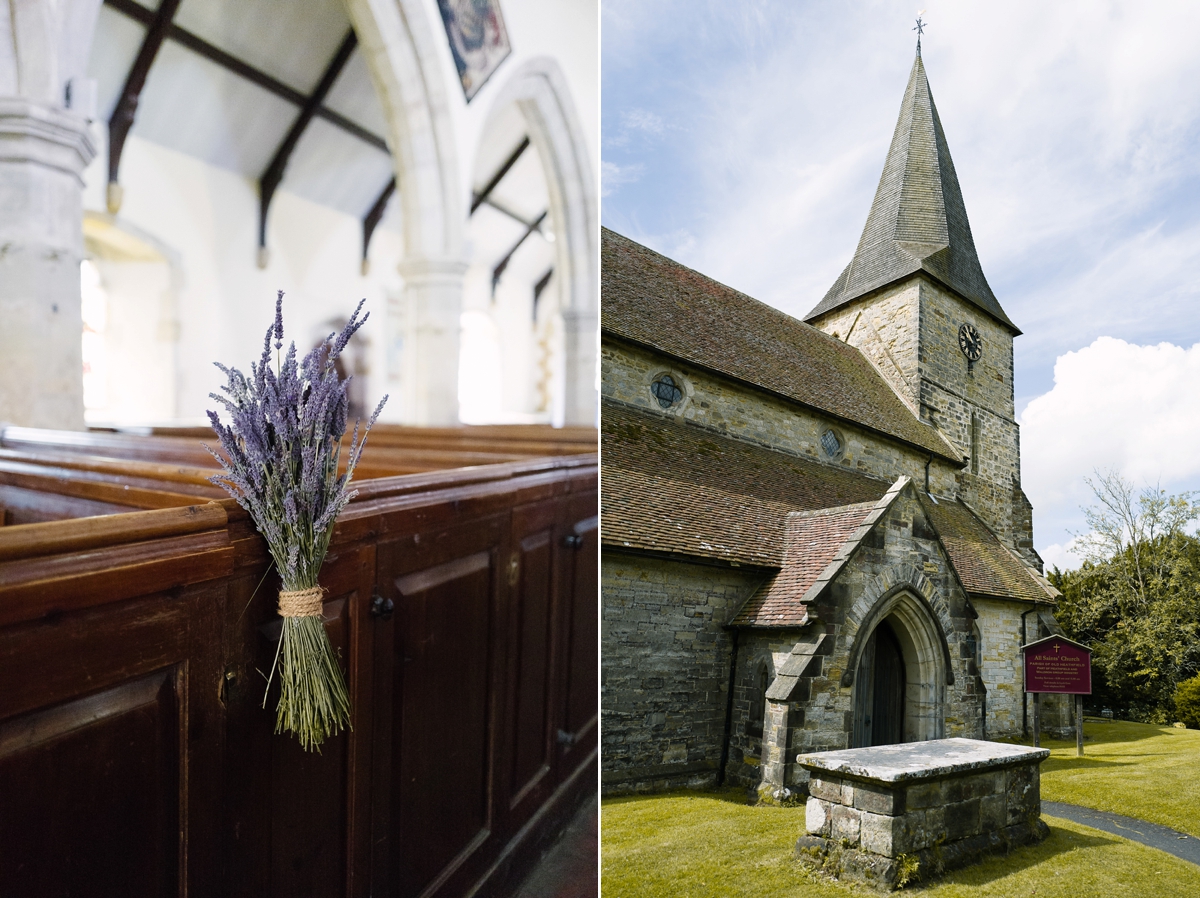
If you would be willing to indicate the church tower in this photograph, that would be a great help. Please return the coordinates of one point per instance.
(915, 301)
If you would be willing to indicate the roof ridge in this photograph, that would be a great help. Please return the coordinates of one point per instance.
(918, 219)
(770, 309)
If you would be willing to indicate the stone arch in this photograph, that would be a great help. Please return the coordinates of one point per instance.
(870, 609)
(917, 616)
(539, 89)
(399, 44)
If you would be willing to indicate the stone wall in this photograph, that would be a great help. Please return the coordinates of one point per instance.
(665, 659)
(754, 416)
(885, 327)
(756, 649)
(911, 331)
(999, 626)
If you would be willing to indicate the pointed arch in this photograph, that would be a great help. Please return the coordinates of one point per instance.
(540, 91)
(398, 42)
(878, 601)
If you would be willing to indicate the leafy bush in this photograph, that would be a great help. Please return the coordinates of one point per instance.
(1187, 703)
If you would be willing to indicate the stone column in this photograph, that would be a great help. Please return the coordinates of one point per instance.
(580, 338)
(43, 152)
(428, 375)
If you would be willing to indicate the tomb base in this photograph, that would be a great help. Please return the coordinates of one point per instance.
(897, 814)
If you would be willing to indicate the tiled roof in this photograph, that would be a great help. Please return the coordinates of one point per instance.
(812, 540)
(918, 221)
(984, 566)
(649, 299)
(669, 486)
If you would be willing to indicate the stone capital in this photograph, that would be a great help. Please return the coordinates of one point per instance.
(53, 138)
(432, 272)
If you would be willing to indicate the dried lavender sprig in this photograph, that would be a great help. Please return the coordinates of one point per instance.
(283, 444)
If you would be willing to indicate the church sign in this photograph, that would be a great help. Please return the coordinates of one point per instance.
(1057, 664)
(1061, 665)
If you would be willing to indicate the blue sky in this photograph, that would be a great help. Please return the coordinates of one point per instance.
(746, 141)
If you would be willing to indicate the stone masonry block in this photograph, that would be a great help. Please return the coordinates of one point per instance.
(816, 816)
(925, 795)
(880, 833)
(993, 812)
(962, 819)
(845, 824)
(1021, 794)
(877, 800)
(827, 789)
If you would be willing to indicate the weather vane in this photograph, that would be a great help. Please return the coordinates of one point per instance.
(920, 29)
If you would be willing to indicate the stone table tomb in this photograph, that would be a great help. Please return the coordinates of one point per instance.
(892, 814)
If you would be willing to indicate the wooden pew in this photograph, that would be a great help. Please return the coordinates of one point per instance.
(526, 439)
(133, 744)
(190, 450)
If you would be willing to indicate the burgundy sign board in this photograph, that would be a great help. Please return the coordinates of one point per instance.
(1057, 664)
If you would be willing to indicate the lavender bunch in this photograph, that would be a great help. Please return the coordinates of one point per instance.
(284, 448)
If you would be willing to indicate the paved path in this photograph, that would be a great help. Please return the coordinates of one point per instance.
(1161, 837)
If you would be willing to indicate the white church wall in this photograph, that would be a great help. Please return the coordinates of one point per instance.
(208, 217)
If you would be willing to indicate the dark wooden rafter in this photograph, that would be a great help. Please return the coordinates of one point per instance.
(274, 173)
(498, 271)
(158, 24)
(478, 199)
(539, 288)
(372, 219)
(218, 56)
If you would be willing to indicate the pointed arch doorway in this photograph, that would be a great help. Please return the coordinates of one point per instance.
(899, 675)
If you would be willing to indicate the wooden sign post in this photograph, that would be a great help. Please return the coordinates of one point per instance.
(1061, 666)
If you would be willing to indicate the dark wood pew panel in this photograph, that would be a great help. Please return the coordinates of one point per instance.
(110, 732)
(463, 604)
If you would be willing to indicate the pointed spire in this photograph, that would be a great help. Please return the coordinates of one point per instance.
(918, 221)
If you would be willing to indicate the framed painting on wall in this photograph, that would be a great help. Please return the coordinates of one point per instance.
(478, 39)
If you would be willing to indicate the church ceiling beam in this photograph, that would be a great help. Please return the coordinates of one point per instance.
(478, 199)
(372, 219)
(498, 271)
(158, 24)
(231, 63)
(274, 173)
(539, 287)
(503, 209)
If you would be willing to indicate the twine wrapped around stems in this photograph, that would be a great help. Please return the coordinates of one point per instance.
(302, 602)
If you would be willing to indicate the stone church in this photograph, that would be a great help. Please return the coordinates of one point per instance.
(814, 534)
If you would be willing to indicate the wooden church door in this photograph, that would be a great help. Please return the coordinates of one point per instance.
(879, 704)
(887, 706)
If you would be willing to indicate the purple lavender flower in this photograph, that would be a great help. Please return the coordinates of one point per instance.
(283, 444)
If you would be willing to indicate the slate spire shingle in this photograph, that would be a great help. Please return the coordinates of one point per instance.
(918, 221)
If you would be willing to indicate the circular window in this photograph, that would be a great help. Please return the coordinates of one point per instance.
(666, 391)
(831, 443)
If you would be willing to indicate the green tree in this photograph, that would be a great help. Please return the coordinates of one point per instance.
(1136, 598)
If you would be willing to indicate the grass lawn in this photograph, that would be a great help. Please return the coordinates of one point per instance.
(1143, 771)
(695, 844)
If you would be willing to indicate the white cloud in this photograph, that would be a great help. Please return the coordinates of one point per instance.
(613, 175)
(1061, 556)
(642, 120)
(1114, 406)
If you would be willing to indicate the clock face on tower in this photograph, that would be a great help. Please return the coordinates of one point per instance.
(970, 342)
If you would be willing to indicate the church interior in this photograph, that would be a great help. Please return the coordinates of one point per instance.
(169, 167)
